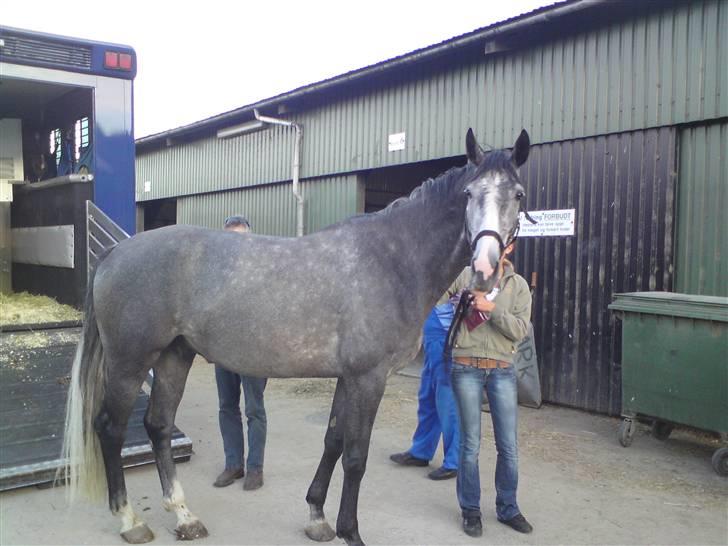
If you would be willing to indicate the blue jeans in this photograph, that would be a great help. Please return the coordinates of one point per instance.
(436, 411)
(231, 423)
(500, 385)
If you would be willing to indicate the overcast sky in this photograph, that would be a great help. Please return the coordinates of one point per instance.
(198, 59)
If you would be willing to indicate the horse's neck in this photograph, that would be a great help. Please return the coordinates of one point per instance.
(433, 246)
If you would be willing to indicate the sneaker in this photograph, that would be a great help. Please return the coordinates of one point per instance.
(405, 459)
(228, 476)
(443, 473)
(518, 523)
(473, 526)
(253, 479)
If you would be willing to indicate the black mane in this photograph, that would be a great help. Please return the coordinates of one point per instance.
(440, 187)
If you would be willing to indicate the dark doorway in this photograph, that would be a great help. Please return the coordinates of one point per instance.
(160, 213)
(389, 183)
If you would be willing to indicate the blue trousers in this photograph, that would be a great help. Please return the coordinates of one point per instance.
(231, 423)
(436, 411)
(500, 385)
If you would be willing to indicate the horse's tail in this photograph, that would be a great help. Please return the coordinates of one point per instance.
(83, 468)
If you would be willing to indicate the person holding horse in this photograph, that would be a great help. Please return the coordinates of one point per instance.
(230, 419)
(483, 351)
(436, 412)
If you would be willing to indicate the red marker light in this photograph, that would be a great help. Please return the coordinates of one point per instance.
(125, 61)
(111, 59)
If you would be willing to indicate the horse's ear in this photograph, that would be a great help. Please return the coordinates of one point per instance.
(519, 155)
(474, 151)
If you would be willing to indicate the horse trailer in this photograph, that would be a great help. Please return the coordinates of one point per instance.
(66, 194)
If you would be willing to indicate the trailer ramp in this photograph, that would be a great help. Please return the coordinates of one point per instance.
(35, 369)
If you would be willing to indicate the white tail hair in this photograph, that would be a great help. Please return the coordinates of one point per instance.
(83, 469)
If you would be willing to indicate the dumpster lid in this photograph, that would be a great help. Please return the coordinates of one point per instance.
(670, 303)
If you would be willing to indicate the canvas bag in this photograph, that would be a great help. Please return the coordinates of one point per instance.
(526, 364)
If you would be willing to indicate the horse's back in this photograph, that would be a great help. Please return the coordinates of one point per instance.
(306, 303)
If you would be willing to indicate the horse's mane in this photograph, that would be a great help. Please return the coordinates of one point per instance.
(441, 187)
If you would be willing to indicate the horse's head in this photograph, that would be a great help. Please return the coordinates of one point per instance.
(491, 216)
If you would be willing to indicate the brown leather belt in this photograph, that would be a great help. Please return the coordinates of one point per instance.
(481, 363)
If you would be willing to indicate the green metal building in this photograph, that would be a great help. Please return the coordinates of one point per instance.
(627, 107)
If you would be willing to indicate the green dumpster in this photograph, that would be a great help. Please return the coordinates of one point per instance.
(674, 364)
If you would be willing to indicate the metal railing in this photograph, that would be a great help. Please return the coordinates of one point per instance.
(102, 233)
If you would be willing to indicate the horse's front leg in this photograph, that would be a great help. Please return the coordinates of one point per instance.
(362, 397)
(318, 528)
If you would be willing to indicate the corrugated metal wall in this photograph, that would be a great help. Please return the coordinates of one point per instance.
(701, 261)
(271, 209)
(622, 187)
(663, 69)
(214, 164)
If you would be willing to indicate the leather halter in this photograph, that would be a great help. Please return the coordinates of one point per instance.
(512, 237)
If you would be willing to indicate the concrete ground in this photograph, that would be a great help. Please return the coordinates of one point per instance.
(577, 484)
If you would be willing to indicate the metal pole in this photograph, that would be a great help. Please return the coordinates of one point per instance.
(6, 239)
(296, 164)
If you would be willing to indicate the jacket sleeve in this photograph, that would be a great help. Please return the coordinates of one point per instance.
(458, 284)
(513, 322)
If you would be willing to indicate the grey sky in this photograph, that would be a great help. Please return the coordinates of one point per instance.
(198, 59)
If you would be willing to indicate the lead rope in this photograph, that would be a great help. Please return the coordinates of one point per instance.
(466, 300)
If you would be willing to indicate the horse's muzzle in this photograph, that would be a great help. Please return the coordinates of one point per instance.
(485, 264)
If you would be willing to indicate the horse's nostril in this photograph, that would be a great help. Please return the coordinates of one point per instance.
(494, 256)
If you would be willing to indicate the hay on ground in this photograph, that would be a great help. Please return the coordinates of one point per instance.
(24, 308)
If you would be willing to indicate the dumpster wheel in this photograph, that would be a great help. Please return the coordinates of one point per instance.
(661, 430)
(626, 432)
(720, 461)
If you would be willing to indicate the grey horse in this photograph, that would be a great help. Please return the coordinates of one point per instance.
(347, 302)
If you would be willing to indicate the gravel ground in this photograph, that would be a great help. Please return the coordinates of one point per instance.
(577, 484)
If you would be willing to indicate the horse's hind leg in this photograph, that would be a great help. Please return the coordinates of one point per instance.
(170, 375)
(318, 528)
(110, 425)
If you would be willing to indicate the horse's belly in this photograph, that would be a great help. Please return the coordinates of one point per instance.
(266, 356)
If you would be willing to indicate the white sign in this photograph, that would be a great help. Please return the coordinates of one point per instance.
(397, 141)
(147, 186)
(551, 223)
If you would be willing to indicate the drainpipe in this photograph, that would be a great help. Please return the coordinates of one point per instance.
(296, 164)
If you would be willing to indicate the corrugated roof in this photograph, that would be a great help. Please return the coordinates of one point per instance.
(424, 53)
(546, 16)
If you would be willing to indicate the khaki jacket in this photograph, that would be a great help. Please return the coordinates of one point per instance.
(508, 324)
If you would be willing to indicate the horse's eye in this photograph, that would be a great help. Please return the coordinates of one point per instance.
(520, 195)
(467, 192)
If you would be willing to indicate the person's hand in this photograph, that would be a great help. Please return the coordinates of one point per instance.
(480, 303)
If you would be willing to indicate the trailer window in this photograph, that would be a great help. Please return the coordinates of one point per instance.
(55, 145)
(81, 136)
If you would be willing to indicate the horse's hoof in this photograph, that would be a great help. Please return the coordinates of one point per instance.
(320, 531)
(351, 539)
(191, 531)
(139, 534)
